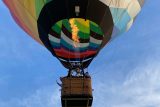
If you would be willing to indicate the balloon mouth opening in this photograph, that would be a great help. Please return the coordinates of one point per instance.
(75, 41)
(77, 29)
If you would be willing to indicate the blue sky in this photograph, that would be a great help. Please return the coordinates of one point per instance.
(125, 74)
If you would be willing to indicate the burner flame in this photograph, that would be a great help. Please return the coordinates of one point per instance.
(75, 31)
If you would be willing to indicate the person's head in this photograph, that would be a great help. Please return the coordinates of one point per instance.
(78, 69)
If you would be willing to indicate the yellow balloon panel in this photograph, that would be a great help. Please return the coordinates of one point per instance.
(25, 14)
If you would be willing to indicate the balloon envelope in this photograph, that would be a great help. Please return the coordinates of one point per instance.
(74, 31)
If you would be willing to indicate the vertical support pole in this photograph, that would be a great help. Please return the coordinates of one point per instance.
(65, 103)
(87, 103)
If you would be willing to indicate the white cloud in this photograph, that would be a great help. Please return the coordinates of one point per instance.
(141, 88)
(46, 97)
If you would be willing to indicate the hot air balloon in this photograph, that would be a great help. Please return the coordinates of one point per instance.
(74, 31)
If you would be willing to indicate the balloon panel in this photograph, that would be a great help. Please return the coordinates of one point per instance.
(75, 40)
(123, 13)
(26, 13)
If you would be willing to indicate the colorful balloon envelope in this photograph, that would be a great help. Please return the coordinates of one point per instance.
(74, 31)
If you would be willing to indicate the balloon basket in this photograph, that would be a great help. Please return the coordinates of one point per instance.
(76, 92)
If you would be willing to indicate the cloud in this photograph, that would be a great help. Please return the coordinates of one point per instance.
(141, 88)
(44, 97)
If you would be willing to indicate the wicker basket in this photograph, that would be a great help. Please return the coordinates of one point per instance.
(76, 92)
